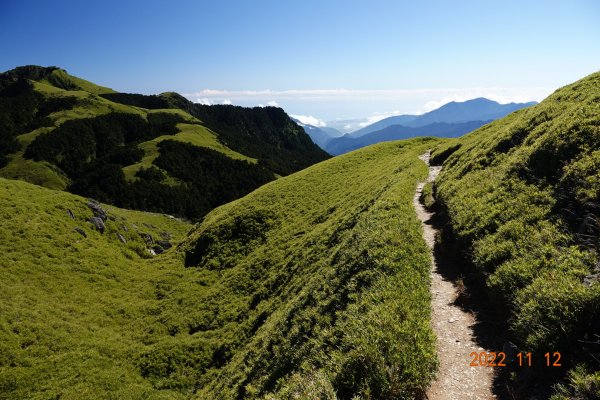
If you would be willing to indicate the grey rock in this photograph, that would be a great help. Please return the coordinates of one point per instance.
(70, 213)
(98, 224)
(165, 244)
(158, 249)
(81, 232)
(147, 237)
(121, 238)
(97, 209)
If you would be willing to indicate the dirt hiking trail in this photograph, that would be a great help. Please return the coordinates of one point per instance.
(452, 325)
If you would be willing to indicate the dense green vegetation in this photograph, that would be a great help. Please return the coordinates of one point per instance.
(62, 132)
(264, 133)
(93, 152)
(315, 285)
(90, 143)
(151, 102)
(258, 131)
(23, 110)
(522, 198)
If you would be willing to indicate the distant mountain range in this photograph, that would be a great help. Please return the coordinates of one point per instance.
(321, 135)
(384, 123)
(397, 132)
(450, 120)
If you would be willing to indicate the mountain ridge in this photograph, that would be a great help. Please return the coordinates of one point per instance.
(399, 132)
(477, 109)
(67, 133)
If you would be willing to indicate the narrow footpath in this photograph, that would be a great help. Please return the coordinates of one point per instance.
(456, 379)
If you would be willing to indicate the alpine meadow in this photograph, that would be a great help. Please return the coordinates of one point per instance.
(314, 285)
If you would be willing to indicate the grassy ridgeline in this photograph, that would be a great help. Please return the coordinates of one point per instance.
(316, 284)
(313, 285)
(522, 198)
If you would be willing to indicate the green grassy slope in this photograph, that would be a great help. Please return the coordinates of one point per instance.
(312, 286)
(72, 308)
(522, 195)
(319, 284)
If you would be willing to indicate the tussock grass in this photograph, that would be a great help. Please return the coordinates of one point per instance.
(522, 199)
(73, 310)
(323, 281)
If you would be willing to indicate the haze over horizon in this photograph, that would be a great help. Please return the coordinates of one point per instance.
(323, 62)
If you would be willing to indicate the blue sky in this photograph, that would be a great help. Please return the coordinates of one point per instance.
(326, 59)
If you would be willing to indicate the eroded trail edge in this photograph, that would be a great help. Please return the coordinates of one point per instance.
(452, 325)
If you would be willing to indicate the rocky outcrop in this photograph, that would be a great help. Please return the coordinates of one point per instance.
(97, 209)
(98, 223)
(165, 244)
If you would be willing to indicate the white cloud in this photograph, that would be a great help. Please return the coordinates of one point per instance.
(204, 101)
(376, 117)
(349, 105)
(500, 94)
(227, 101)
(309, 120)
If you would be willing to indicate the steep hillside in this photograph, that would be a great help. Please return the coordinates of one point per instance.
(313, 285)
(522, 198)
(265, 133)
(398, 132)
(139, 151)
